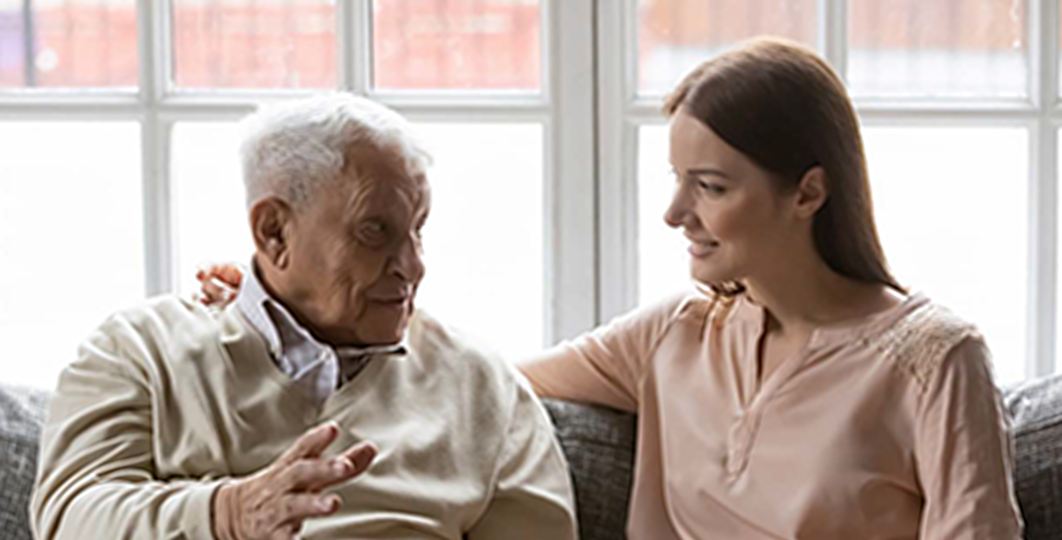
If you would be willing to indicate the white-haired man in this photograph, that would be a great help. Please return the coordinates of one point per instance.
(318, 403)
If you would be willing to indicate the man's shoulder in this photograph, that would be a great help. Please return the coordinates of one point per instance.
(164, 312)
(445, 349)
(164, 329)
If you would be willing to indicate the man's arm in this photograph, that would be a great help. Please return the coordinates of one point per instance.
(97, 476)
(533, 493)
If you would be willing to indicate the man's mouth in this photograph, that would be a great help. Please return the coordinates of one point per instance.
(390, 299)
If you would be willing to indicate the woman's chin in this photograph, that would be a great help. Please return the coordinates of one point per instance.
(707, 274)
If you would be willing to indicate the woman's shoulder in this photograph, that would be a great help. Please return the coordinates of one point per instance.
(690, 305)
(919, 340)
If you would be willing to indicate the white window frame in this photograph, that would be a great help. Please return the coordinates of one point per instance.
(621, 112)
(562, 106)
(590, 113)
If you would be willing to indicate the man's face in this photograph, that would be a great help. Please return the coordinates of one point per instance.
(355, 252)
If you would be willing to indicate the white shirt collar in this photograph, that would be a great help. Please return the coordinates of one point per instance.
(296, 352)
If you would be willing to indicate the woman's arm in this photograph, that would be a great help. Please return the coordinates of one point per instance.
(606, 365)
(963, 452)
(219, 283)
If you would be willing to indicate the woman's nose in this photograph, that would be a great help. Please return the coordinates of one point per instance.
(676, 212)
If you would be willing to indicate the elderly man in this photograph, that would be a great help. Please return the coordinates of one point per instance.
(318, 403)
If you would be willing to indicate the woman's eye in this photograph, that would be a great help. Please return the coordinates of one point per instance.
(712, 189)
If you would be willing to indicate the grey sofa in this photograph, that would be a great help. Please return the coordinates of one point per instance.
(599, 444)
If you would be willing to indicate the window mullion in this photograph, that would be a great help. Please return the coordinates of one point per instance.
(154, 46)
(359, 43)
(570, 204)
(1043, 223)
(29, 42)
(833, 34)
(617, 268)
(1043, 188)
(345, 29)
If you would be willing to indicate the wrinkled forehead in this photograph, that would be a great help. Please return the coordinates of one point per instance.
(377, 179)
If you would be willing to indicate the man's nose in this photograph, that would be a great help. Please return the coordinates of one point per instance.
(408, 261)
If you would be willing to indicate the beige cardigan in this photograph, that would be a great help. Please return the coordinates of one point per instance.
(167, 400)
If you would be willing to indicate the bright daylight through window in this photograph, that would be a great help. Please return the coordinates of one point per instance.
(120, 173)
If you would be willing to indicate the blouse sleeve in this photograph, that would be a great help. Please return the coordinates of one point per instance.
(603, 366)
(963, 452)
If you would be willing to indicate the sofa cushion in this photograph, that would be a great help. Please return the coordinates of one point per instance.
(1036, 424)
(599, 444)
(21, 416)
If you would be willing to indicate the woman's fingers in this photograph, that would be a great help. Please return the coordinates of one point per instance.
(230, 274)
(214, 292)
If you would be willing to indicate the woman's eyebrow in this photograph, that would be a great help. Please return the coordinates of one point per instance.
(707, 171)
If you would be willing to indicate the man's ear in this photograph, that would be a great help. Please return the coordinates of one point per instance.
(812, 193)
(272, 221)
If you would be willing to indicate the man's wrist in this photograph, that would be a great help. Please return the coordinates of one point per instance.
(221, 513)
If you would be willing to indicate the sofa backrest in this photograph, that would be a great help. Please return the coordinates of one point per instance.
(1036, 426)
(599, 444)
(21, 416)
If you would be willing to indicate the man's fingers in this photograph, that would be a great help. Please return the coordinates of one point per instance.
(295, 508)
(311, 443)
(317, 474)
(361, 455)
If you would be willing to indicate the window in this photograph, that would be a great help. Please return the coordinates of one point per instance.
(959, 111)
(119, 120)
(120, 175)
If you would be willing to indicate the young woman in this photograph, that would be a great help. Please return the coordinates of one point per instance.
(801, 393)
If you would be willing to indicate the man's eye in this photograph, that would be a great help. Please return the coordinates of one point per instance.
(373, 229)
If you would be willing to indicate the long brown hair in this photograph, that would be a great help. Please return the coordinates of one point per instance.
(783, 107)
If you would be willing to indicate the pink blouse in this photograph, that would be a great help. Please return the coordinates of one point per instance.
(888, 427)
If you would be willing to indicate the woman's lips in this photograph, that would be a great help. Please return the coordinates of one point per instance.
(702, 249)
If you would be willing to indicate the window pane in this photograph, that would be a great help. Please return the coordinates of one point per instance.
(663, 264)
(676, 35)
(71, 248)
(209, 205)
(457, 44)
(955, 227)
(937, 48)
(71, 43)
(254, 43)
(483, 243)
(960, 261)
(484, 234)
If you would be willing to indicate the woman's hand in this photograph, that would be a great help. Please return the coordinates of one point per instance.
(218, 284)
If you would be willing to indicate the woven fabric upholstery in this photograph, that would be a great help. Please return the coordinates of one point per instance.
(1036, 425)
(599, 444)
(21, 416)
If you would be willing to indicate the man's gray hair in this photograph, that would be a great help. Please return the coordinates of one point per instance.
(291, 149)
